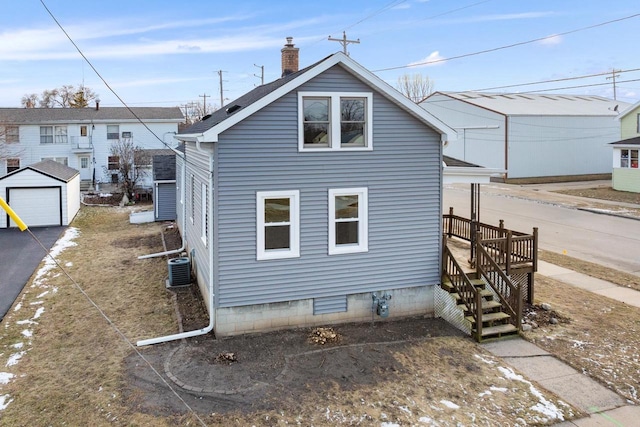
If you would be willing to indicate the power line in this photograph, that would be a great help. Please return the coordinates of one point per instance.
(466, 55)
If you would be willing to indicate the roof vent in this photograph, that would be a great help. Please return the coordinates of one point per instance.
(233, 108)
(206, 117)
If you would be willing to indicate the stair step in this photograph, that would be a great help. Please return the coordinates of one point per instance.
(490, 317)
(478, 282)
(486, 305)
(498, 330)
(484, 293)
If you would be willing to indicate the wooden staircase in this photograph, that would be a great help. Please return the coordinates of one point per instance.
(495, 322)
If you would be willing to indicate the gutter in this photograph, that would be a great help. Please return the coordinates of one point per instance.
(209, 327)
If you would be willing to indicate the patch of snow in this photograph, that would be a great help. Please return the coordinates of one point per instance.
(5, 377)
(39, 312)
(579, 344)
(68, 264)
(428, 420)
(36, 303)
(4, 401)
(487, 361)
(405, 409)
(18, 307)
(15, 358)
(543, 406)
(449, 404)
(64, 242)
(25, 322)
(386, 424)
(484, 393)
(42, 294)
(27, 333)
(501, 389)
(18, 345)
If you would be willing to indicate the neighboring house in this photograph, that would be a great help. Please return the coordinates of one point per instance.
(312, 199)
(626, 174)
(42, 194)
(82, 137)
(530, 135)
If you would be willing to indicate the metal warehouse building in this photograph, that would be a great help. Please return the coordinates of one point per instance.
(530, 135)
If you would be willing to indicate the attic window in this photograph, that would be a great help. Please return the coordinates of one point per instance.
(233, 108)
(335, 121)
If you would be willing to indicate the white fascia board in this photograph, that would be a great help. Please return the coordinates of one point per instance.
(189, 137)
(211, 135)
(453, 174)
(627, 110)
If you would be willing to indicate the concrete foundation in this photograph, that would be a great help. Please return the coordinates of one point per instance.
(291, 314)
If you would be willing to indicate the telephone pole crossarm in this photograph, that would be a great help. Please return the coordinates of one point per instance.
(344, 42)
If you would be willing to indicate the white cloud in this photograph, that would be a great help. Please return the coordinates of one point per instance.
(552, 40)
(502, 17)
(434, 58)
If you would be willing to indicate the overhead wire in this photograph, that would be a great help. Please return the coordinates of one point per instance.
(466, 55)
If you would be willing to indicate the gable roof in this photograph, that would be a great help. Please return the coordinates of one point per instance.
(209, 129)
(51, 169)
(164, 167)
(87, 115)
(539, 104)
(628, 110)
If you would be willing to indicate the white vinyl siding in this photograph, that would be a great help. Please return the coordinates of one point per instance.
(335, 121)
(278, 224)
(348, 222)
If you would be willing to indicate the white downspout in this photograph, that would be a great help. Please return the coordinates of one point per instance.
(209, 327)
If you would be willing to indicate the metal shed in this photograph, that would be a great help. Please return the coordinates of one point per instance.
(46, 193)
(164, 187)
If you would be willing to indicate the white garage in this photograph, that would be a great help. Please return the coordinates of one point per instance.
(42, 194)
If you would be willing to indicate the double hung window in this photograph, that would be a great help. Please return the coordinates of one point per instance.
(348, 222)
(278, 224)
(335, 121)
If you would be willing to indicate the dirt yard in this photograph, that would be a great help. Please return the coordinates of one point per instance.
(68, 355)
(604, 193)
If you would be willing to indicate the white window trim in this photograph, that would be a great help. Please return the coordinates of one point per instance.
(334, 120)
(294, 221)
(363, 221)
(204, 214)
(193, 199)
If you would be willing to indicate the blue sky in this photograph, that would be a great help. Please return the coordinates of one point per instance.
(167, 53)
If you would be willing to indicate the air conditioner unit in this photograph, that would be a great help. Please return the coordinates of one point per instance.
(179, 272)
(127, 134)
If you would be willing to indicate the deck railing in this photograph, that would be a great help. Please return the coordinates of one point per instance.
(468, 293)
(508, 247)
(510, 294)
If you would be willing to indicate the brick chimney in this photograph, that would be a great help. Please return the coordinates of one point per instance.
(289, 58)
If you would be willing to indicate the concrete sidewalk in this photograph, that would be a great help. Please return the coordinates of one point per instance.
(605, 406)
(583, 281)
(573, 387)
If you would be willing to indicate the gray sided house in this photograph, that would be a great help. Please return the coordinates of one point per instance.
(311, 197)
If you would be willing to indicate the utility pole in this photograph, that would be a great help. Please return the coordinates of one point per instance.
(613, 78)
(221, 90)
(344, 42)
(261, 76)
(204, 106)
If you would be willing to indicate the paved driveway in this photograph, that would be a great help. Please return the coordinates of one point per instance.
(20, 255)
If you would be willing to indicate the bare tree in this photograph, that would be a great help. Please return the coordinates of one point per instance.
(195, 111)
(66, 96)
(9, 139)
(416, 87)
(130, 161)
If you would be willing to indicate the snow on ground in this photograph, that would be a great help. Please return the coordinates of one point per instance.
(38, 282)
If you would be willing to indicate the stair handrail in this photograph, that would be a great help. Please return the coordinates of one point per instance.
(511, 302)
(469, 295)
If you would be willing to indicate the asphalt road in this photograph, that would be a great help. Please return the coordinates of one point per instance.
(607, 240)
(20, 255)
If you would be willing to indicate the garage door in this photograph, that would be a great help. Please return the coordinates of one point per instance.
(36, 206)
